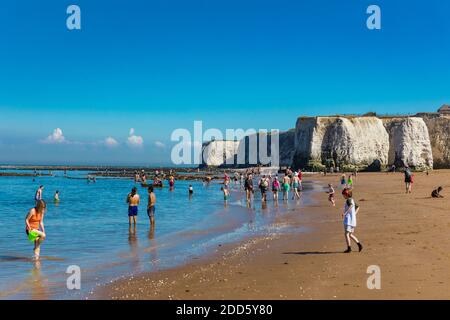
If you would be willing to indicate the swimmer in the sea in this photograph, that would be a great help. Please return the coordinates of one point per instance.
(56, 196)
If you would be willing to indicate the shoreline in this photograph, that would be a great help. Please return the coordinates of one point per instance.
(412, 255)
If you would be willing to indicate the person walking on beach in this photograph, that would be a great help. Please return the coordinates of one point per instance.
(331, 194)
(133, 200)
(300, 180)
(34, 226)
(275, 188)
(38, 195)
(264, 186)
(151, 205)
(343, 182)
(408, 179)
(350, 182)
(248, 186)
(349, 216)
(295, 186)
(286, 186)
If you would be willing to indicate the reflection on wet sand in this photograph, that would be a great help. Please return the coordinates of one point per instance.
(154, 247)
(134, 248)
(39, 288)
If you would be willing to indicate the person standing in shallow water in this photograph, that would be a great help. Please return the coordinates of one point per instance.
(34, 226)
(286, 186)
(275, 188)
(38, 195)
(133, 200)
(151, 205)
(248, 186)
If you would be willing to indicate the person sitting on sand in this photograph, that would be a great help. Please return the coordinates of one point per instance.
(349, 216)
(437, 193)
(151, 205)
(331, 194)
(34, 226)
(133, 203)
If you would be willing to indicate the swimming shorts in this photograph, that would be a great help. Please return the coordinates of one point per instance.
(151, 212)
(295, 185)
(132, 211)
(286, 187)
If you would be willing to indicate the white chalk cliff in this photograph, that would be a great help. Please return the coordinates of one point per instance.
(340, 140)
(409, 142)
(366, 141)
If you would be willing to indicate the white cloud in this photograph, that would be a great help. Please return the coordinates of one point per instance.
(134, 140)
(159, 144)
(111, 142)
(56, 137)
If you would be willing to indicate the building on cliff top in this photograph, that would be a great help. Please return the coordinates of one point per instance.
(445, 109)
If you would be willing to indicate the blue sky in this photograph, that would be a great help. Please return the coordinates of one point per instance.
(158, 65)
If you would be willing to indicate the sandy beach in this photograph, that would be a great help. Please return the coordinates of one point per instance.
(405, 235)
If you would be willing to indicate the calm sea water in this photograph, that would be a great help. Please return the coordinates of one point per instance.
(89, 228)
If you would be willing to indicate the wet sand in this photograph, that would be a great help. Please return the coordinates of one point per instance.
(405, 235)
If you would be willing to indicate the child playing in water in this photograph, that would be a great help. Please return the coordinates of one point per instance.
(349, 216)
(191, 190)
(226, 193)
(331, 194)
(34, 226)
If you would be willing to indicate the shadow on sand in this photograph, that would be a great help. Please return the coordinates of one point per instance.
(313, 252)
